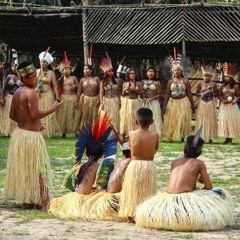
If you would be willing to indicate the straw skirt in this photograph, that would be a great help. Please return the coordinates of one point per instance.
(7, 123)
(128, 111)
(46, 101)
(112, 106)
(157, 116)
(102, 206)
(89, 109)
(68, 206)
(67, 115)
(140, 182)
(201, 210)
(177, 119)
(206, 116)
(229, 121)
(27, 159)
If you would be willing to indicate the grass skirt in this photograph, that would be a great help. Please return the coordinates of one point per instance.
(140, 182)
(27, 158)
(102, 206)
(128, 111)
(67, 115)
(88, 110)
(201, 210)
(1, 118)
(177, 119)
(157, 116)
(46, 101)
(206, 116)
(229, 121)
(8, 124)
(111, 106)
(68, 206)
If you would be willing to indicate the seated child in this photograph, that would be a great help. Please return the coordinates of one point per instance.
(140, 180)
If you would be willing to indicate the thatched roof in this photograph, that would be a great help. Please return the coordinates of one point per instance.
(165, 24)
(211, 30)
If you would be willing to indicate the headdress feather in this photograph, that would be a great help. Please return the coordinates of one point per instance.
(197, 136)
(106, 63)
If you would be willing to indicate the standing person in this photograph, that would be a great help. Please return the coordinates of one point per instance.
(178, 104)
(27, 178)
(185, 207)
(2, 97)
(206, 111)
(229, 115)
(11, 84)
(88, 96)
(132, 90)
(110, 89)
(68, 116)
(140, 180)
(48, 91)
(151, 94)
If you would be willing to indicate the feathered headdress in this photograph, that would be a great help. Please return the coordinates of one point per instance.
(46, 56)
(177, 61)
(229, 70)
(194, 142)
(122, 68)
(106, 63)
(65, 62)
(207, 70)
(89, 59)
(94, 138)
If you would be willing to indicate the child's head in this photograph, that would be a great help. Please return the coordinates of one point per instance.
(191, 151)
(144, 116)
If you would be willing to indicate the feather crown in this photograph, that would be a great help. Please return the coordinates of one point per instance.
(106, 63)
(97, 132)
(65, 63)
(207, 70)
(171, 63)
(46, 56)
(229, 70)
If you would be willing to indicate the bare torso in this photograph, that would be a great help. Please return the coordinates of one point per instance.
(90, 86)
(116, 178)
(69, 84)
(184, 175)
(24, 98)
(143, 144)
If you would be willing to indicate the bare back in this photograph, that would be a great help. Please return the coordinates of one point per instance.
(143, 144)
(185, 173)
(87, 182)
(24, 103)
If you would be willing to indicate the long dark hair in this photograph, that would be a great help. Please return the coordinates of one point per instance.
(231, 82)
(105, 79)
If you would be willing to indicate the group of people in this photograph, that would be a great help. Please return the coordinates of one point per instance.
(82, 100)
(101, 191)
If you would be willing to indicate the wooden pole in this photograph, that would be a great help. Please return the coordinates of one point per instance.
(85, 43)
(183, 48)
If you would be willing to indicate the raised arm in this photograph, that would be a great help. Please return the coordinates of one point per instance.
(35, 113)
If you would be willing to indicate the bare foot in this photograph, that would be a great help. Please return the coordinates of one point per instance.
(130, 220)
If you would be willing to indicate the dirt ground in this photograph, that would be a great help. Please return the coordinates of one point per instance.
(15, 226)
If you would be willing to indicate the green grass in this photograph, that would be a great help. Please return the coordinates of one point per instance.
(61, 152)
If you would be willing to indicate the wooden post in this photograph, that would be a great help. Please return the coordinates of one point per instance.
(183, 48)
(85, 43)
